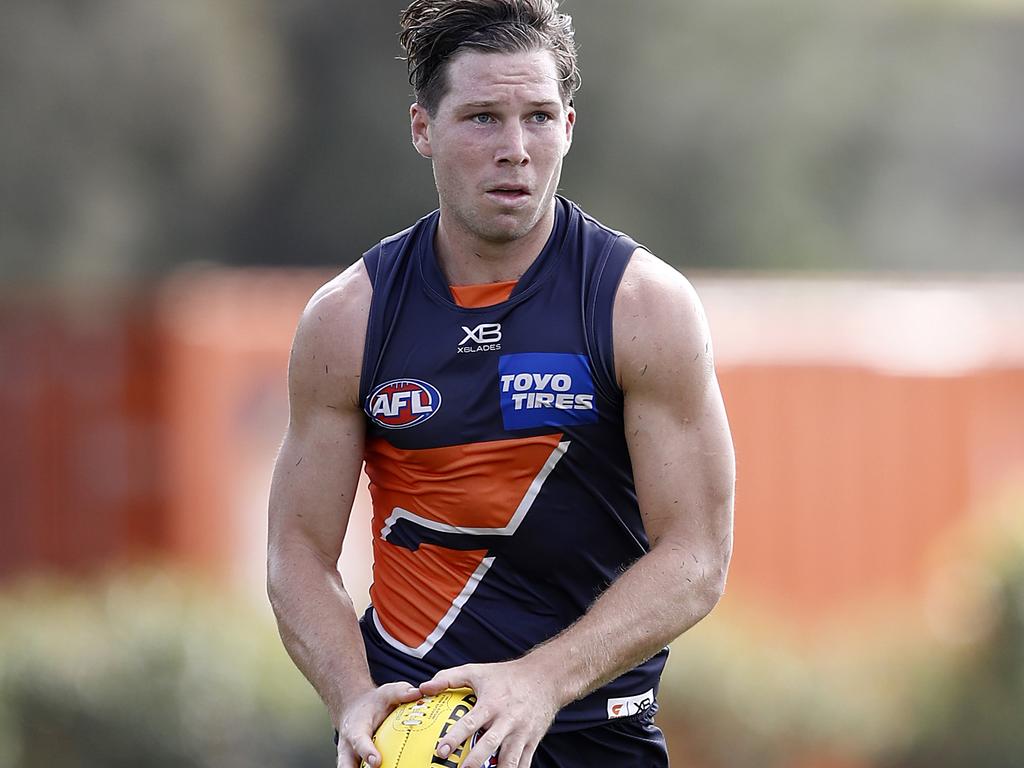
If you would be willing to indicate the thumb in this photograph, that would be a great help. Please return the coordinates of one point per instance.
(367, 752)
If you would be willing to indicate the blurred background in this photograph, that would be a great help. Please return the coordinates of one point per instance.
(842, 182)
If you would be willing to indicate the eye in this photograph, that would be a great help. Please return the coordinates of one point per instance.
(541, 117)
(483, 118)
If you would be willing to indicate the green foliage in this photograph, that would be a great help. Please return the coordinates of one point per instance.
(885, 691)
(968, 707)
(744, 694)
(152, 668)
(149, 670)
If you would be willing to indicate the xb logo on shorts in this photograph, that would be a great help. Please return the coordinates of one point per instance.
(486, 337)
(403, 403)
(627, 706)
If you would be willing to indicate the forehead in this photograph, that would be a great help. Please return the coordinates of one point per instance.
(475, 76)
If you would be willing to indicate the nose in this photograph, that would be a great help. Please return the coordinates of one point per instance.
(512, 147)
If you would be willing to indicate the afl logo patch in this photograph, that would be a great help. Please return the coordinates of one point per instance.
(403, 403)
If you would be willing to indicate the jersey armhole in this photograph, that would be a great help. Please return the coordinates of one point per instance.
(599, 304)
(387, 266)
(374, 328)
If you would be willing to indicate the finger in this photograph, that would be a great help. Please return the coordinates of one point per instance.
(474, 720)
(486, 746)
(511, 754)
(365, 750)
(346, 758)
(400, 693)
(527, 759)
(456, 677)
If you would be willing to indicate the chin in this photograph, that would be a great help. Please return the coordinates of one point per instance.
(506, 234)
(497, 227)
(507, 228)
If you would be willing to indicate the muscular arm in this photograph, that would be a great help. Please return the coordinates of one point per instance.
(310, 501)
(684, 470)
(683, 466)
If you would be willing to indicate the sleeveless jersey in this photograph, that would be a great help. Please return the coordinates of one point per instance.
(503, 496)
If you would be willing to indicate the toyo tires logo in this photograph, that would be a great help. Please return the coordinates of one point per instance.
(403, 403)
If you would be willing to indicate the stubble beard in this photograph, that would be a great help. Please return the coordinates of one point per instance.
(499, 228)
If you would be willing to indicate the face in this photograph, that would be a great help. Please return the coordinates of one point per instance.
(497, 141)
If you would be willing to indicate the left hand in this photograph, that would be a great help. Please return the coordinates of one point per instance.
(515, 707)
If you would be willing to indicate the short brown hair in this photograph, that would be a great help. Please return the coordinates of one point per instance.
(433, 31)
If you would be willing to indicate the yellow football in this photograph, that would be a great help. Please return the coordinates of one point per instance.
(408, 736)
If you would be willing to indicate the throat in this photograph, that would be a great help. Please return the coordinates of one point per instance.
(478, 267)
(469, 258)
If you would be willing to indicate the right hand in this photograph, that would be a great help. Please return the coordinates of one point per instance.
(361, 719)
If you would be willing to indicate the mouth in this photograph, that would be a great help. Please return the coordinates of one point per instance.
(508, 193)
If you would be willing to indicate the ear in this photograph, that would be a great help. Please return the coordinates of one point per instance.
(420, 122)
(570, 122)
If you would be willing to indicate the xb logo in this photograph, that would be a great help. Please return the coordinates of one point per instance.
(486, 333)
(486, 337)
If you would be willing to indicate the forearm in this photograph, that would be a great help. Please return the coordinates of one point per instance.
(318, 625)
(659, 597)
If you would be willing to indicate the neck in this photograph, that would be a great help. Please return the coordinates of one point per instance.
(466, 259)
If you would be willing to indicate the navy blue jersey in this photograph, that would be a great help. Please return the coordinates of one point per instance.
(503, 495)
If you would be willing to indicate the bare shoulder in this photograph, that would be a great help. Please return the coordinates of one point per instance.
(660, 331)
(327, 352)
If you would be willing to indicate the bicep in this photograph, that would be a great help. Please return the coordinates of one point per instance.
(683, 464)
(320, 460)
(314, 483)
(675, 421)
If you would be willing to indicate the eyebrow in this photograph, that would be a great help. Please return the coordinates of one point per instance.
(487, 104)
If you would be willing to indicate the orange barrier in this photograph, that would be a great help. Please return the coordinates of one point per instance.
(79, 414)
(161, 432)
(845, 475)
(226, 338)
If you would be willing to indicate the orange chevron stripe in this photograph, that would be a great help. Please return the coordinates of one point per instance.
(478, 485)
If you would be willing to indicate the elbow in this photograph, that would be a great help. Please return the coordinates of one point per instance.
(715, 591)
(708, 596)
(712, 586)
(277, 577)
(295, 570)
(719, 556)
(272, 582)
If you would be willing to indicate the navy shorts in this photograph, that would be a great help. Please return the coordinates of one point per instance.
(634, 742)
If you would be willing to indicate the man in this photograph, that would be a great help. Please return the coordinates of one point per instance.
(535, 401)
